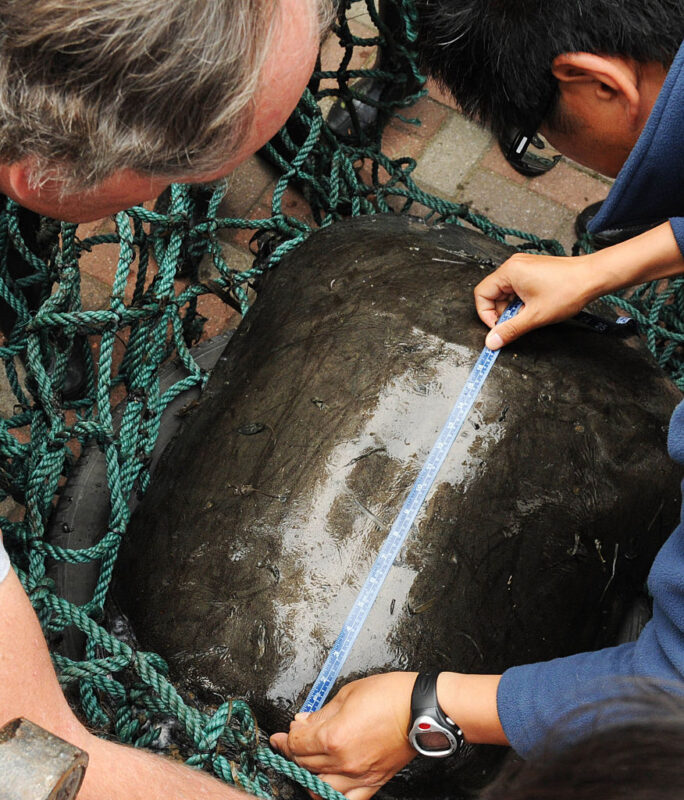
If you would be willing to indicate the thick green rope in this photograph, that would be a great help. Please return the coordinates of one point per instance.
(658, 309)
(122, 691)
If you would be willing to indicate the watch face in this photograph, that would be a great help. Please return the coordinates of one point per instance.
(430, 738)
(433, 741)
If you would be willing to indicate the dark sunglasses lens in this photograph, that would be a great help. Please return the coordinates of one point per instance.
(518, 146)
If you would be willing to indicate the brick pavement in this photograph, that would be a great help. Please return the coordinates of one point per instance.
(456, 159)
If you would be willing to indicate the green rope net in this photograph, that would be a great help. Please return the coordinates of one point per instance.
(120, 690)
(658, 310)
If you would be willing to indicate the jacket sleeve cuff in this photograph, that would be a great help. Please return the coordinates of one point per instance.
(678, 230)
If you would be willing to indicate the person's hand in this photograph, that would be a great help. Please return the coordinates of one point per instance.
(552, 289)
(358, 740)
(555, 288)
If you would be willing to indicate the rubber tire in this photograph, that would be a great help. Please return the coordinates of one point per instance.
(81, 516)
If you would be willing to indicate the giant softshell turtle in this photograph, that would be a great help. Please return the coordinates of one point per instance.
(270, 506)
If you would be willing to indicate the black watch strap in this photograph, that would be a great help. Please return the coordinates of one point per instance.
(431, 732)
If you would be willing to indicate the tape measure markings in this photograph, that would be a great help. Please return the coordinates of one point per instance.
(402, 524)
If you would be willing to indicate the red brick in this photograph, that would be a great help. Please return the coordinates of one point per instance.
(397, 143)
(246, 184)
(495, 161)
(294, 205)
(220, 316)
(94, 293)
(365, 173)
(430, 113)
(101, 262)
(570, 187)
(332, 53)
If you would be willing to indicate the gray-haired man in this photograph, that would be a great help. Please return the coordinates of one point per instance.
(102, 104)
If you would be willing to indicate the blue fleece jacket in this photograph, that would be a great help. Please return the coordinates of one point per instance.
(533, 698)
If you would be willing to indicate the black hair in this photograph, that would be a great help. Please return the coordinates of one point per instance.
(634, 751)
(495, 56)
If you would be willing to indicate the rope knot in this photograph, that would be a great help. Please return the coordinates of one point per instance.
(40, 589)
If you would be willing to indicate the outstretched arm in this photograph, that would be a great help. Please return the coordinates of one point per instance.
(554, 288)
(29, 688)
(359, 740)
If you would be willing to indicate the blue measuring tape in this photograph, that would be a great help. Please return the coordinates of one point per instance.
(402, 524)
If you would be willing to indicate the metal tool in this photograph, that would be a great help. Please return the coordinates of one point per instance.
(37, 765)
(402, 524)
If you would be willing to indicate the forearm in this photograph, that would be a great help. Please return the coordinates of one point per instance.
(122, 772)
(359, 740)
(470, 701)
(650, 256)
(29, 688)
(28, 684)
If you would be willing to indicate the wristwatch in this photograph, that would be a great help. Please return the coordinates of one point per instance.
(431, 732)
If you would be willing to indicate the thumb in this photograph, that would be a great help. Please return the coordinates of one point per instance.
(506, 332)
(278, 741)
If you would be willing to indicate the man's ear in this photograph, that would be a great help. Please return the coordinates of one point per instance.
(19, 179)
(607, 78)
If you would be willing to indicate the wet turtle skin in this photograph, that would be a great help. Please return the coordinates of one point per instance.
(269, 508)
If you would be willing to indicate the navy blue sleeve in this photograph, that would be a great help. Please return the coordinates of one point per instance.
(678, 228)
(532, 699)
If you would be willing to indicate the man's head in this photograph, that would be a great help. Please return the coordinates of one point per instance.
(104, 102)
(630, 745)
(586, 72)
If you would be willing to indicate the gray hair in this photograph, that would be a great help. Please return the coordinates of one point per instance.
(163, 87)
